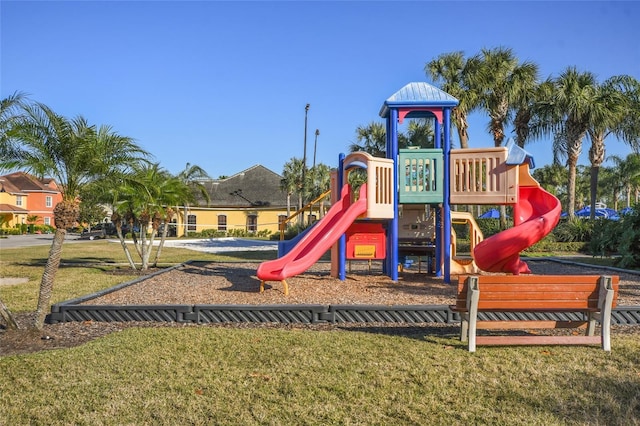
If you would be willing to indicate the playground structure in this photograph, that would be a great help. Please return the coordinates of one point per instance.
(404, 207)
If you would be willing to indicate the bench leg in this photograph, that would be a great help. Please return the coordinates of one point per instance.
(473, 296)
(472, 331)
(605, 303)
(591, 325)
(464, 327)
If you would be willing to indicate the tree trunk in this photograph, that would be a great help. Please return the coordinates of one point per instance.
(593, 190)
(123, 243)
(46, 285)
(145, 246)
(148, 248)
(460, 121)
(571, 189)
(596, 157)
(163, 238)
(574, 148)
(7, 316)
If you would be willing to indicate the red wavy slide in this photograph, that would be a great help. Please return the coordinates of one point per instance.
(538, 213)
(318, 240)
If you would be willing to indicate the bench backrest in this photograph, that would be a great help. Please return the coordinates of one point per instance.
(535, 292)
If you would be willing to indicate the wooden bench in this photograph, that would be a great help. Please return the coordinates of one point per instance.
(592, 295)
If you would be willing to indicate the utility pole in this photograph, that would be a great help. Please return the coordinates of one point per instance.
(304, 157)
(315, 146)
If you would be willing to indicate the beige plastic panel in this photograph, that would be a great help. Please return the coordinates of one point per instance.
(416, 221)
(481, 176)
(380, 189)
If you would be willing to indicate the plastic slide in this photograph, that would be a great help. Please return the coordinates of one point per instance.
(318, 240)
(537, 213)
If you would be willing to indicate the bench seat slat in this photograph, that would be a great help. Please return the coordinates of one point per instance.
(524, 324)
(535, 279)
(530, 305)
(538, 340)
(537, 304)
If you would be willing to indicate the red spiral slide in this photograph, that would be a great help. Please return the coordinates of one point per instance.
(537, 213)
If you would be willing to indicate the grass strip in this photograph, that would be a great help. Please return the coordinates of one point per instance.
(216, 375)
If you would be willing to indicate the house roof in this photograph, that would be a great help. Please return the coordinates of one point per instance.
(256, 187)
(24, 182)
(7, 185)
(8, 208)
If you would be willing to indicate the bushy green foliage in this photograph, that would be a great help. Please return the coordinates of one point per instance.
(489, 227)
(211, 233)
(605, 237)
(573, 230)
(237, 233)
(621, 238)
(549, 245)
(293, 230)
(629, 239)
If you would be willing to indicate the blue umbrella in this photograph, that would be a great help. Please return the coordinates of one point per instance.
(490, 214)
(603, 213)
(626, 210)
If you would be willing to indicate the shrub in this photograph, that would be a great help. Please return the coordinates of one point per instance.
(488, 227)
(605, 237)
(573, 230)
(629, 239)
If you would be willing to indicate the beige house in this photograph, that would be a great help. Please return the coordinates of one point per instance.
(250, 201)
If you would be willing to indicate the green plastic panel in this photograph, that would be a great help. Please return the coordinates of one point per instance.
(420, 176)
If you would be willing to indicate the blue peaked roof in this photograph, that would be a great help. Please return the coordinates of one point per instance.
(418, 94)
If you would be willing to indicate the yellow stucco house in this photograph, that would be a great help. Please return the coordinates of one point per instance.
(250, 200)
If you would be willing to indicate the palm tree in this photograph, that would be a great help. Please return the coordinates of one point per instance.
(611, 108)
(10, 111)
(567, 111)
(73, 153)
(193, 176)
(146, 199)
(451, 69)
(626, 173)
(552, 177)
(525, 110)
(291, 182)
(503, 84)
(320, 176)
(420, 133)
(171, 191)
(371, 139)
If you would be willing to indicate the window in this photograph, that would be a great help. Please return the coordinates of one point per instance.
(222, 222)
(191, 222)
(49, 201)
(252, 223)
(18, 200)
(47, 221)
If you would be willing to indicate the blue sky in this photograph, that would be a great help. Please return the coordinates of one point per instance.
(224, 84)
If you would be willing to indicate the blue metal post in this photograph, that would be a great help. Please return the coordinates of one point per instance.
(392, 232)
(446, 206)
(437, 143)
(342, 241)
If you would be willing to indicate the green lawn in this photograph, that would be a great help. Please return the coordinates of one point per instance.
(204, 375)
(215, 375)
